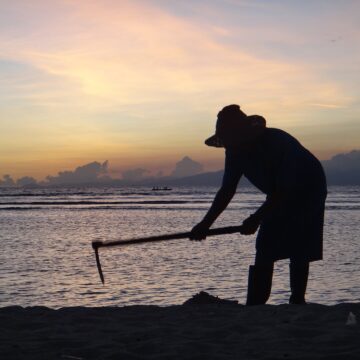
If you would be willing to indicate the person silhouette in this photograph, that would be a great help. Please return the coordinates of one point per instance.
(290, 221)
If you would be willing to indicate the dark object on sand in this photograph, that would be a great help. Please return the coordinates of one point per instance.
(186, 235)
(203, 298)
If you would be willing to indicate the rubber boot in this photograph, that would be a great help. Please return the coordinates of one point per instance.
(259, 284)
(298, 281)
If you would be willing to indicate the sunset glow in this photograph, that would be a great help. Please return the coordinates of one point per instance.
(139, 83)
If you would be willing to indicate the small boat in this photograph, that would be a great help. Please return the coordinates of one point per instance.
(163, 188)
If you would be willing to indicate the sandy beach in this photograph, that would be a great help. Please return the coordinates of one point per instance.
(190, 331)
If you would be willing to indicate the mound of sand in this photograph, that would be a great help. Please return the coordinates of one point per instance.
(203, 298)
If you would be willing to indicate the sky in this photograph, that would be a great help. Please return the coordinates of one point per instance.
(139, 83)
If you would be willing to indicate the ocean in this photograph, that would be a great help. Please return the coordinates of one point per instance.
(46, 257)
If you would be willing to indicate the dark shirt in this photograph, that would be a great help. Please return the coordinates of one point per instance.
(277, 164)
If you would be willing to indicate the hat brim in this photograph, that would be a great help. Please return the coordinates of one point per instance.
(214, 141)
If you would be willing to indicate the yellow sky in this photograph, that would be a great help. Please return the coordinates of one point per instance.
(140, 82)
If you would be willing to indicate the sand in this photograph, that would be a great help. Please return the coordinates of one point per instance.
(197, 330)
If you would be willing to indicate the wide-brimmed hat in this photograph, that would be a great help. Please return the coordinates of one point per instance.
(231, 115)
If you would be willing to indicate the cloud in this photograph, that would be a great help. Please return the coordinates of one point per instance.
(134, 174)
(345, 161)
(86, 174)
(187, 167)
(330, 106)
(26, 181)
(100, 50)
(7, 181)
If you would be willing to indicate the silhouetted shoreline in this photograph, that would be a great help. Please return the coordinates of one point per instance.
(210, 331)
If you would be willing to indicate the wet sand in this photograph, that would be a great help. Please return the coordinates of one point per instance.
(192, 331)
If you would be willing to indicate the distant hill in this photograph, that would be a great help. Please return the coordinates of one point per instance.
(343, 169)
(204, 179)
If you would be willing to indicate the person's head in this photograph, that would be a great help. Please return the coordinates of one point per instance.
(235, 129)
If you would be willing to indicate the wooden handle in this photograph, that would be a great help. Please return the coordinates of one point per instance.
(185, 235)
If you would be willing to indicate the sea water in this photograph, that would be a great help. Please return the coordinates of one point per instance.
(46, 256)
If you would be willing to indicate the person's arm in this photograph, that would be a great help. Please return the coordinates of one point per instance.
(232, 175)
(221, 201)
(251, 224)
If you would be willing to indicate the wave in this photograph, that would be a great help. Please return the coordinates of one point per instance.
(137, 206)
(43, 194)
(148, 206)
(163, 208)
(343, 207)
(89, 193)
(85, 202)
(13, 208)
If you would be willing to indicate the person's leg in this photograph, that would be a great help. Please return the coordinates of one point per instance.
(259, 281)
(299, 272)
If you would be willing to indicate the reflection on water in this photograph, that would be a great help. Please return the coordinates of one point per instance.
(46, 256)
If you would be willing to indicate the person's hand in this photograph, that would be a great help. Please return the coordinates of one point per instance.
(250, 225)
(199, 231)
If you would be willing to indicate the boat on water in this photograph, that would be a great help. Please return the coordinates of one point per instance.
(161, 188)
